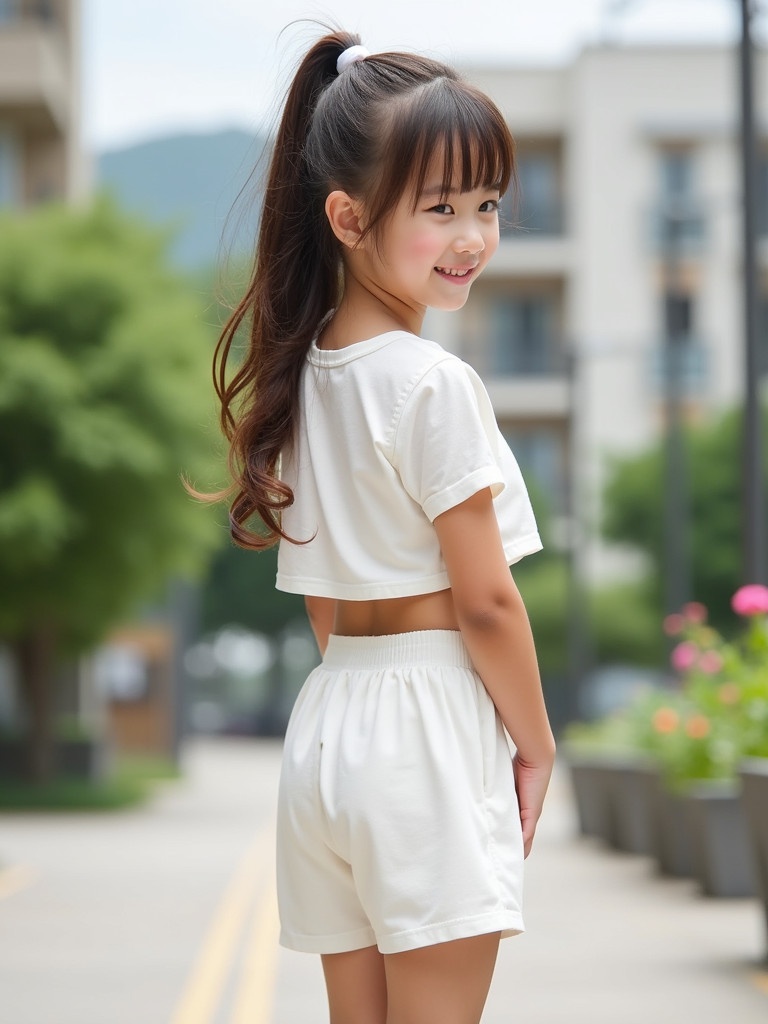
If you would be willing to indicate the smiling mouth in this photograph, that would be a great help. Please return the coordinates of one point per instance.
(456, 272)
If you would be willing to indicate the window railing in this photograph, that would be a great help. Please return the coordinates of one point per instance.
(678, 227)
(533, 221)
(513, 356)
(686, 359)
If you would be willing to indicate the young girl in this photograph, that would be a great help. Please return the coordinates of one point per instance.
(372, 455)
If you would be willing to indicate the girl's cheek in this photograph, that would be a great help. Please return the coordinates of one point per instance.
(422, 245)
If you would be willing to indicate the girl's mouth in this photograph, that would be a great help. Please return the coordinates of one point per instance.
(458, 275)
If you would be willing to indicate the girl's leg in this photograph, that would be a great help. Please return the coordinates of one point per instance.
(442, 984)
(357, 986)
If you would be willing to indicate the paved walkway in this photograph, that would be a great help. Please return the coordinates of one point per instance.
(166, 915)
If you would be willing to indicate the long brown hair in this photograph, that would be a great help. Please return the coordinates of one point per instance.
(372, 132)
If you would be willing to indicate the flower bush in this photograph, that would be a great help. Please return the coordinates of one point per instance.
(718, 714)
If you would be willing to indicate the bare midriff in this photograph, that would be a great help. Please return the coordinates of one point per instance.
(395, 615)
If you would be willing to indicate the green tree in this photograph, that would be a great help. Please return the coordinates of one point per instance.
(634, 511)
(104, 401)
(240, 589)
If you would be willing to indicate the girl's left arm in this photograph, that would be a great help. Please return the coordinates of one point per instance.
(321, 612)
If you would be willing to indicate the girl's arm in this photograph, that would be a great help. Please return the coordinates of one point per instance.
(495, 628)
(321, 612)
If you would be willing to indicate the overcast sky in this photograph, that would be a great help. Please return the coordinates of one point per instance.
(151, 67)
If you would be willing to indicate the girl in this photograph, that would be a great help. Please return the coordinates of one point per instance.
(373, 457)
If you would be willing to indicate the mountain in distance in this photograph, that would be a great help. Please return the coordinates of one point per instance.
(191, 184)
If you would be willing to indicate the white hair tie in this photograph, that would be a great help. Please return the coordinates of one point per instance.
(349, 56)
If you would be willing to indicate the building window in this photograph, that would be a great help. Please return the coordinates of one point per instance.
(10, 192)
(678, 315)
(678, 222)
(540, 204)
(524, 338)
(681, 351)
(540, 453)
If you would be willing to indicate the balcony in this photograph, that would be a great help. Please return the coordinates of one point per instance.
(530, 398)
(687, 361)
(527, 377)
(35, 85)
(678, 228)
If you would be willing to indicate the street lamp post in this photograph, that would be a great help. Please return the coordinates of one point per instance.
(676, 532)
(754, 567)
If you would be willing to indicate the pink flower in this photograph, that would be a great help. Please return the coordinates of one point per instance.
(684, 656)
(695, 612)
(710, 662)
(750, 600)
(674, 624)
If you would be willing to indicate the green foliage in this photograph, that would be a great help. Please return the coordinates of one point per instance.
(719, 713)
(131, 783)
(240, 589)
(105, 400)
(621, 620)
(625, 625)
(634, 511)
(606, 737)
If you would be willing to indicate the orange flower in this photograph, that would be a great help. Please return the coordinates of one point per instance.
(698, 727)
(665, 720)
(729, 693)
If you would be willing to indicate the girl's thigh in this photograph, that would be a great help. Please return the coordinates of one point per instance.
(356, 986)
(446, 983)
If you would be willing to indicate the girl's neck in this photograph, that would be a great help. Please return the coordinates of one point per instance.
(366, 312)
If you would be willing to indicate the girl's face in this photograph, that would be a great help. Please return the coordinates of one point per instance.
(429, 256)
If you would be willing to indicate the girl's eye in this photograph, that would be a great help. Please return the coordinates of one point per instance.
(443, 208)
(490, 206)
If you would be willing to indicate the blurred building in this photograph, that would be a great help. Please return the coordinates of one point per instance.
(40, 154)
(611, 148)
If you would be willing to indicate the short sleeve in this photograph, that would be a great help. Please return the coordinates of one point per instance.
(446, 442)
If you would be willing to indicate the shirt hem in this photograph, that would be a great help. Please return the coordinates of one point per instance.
(527, 545)
(362, 591)
(450, 497)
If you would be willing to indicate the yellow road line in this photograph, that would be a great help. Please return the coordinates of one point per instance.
(255, 993)
(13, 880)
(202, 992)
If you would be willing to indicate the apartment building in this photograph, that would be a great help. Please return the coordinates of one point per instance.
(628, 227)
(40, 156)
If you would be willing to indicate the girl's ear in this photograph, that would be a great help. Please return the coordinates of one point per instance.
(344, 216)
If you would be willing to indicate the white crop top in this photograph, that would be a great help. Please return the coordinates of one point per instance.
(393, 431)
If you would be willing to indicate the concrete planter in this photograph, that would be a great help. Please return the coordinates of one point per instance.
(672, 845)
(633, 783)
(590, 790)
(754, 796)
(75, 758)
(722, 855)
(615, 798)
(81, 759)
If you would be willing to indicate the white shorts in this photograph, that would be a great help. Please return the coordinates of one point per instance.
(398, 823)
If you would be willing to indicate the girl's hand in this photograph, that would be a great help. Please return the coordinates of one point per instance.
(531, 781)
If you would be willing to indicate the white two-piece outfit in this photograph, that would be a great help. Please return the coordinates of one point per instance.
(398, 822)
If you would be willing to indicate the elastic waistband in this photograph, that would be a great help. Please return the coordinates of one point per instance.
(425, 647)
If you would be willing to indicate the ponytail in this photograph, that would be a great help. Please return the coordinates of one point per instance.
(296, 282)
(372, 131)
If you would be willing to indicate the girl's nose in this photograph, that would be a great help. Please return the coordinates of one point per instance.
(470, 241)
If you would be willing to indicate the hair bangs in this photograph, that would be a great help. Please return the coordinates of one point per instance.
(446, 131)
